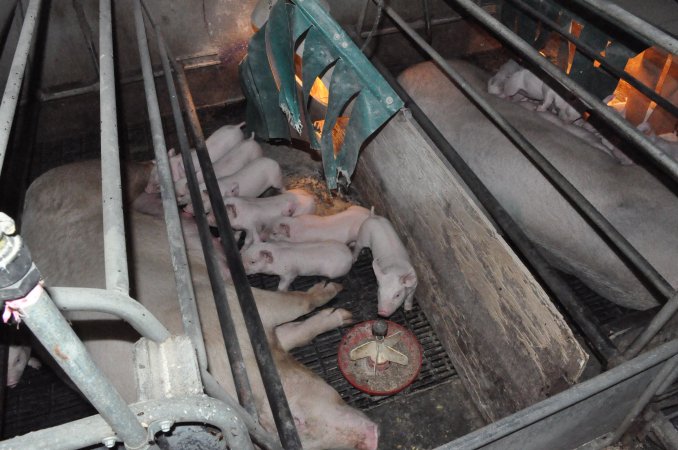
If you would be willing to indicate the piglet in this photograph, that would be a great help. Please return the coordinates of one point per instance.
(237, 158)
(250, 181)
(342, 227)
(18, 357)
(495, 85)
(395, 275)
(253, 214)
(331, 259)
(218, 145)
(525, 82)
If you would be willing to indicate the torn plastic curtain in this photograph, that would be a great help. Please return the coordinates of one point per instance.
(268, 78)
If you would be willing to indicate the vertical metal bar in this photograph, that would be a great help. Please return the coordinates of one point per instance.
(427, 21)
(361, 18)
(49, 326)
(627, 21)
(601, 344)
(663, 377)
(115, 250)
(632, 257)
(10, 97)
(269, 373)
(182, 275)
(616, 122)
(242, 383)
(658, 321)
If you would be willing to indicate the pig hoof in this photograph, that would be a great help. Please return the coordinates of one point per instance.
(34, 363)
(343, 316)
(326, 289)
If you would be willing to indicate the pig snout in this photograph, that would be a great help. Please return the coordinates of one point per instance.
(17, 360)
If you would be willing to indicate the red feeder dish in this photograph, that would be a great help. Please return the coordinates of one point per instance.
(380, 357)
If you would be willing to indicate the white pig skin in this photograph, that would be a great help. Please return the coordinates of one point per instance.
(395, 275)
(71, 254)
(254, 214)
(342, 227)
(237, 158)
(331, 259)
(218, 145)
(250, 181)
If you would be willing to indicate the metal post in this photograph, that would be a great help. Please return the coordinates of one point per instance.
(601, 344)
(663, 377)
(658, 321)
(269, 373)
(630, 23)
(115, 250)
(48, 325)
(632, 257)
(11, 95)
(616, 122)
(172, 411)
(585, 49)
(242, 383)
(110, 302)
(187, 304)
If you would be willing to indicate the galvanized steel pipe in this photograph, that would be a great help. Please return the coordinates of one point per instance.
(51, 329)
(269, 373)
(92, 430)
(10, 97)
(631, 255)
(110, 302)
(187, 303)
(242, 383)
(115, 250)
(630, 23)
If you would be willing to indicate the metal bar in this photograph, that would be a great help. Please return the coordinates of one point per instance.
(616, 122)
(182, 275)
(592, 54)
(237, 363)
(115, 249)
(600, 343)
(51, 329)
(110, 302)
(86, 30)
(618, 242)
(261, 437)
(269, 373)
(578, 393)
(94, 87)
(630, 23)
(658, 321)
(16, 75)
(361, 18)
(668, 382)
(92, 430)
(662, 377)
(417, 24)
(427, 21)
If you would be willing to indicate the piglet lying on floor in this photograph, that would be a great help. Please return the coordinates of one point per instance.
(331, 259)
(237, 158)
(253, 214)
(342, 227)
(395, 274)
(250, 181)
(218, 145)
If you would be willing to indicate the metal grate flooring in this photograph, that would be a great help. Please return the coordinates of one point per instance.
(359, 296)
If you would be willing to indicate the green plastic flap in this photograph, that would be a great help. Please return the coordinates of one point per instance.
(360, 101)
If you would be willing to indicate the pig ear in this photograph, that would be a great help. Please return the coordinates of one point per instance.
(377, 270)
(267, 255)
(409, 279)
(235, 189)
(232, 209)
(285, 227)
